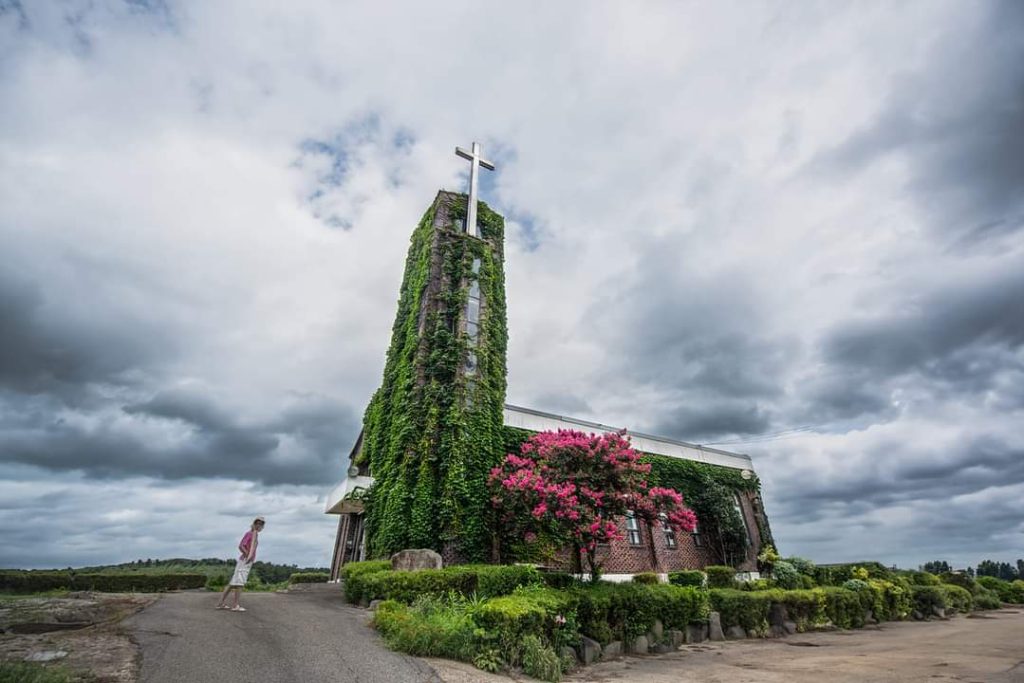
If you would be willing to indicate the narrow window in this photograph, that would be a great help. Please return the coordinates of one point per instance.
(697, 539)
(632, 528)
(670, 533)
(739, 510)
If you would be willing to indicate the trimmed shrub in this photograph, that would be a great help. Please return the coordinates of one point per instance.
(802, 565)
(987, 599)
(561, 580)
(837, 574)
(34, 582)
(430, 627)
(957, 598)
(927, 597)
(648, 578)
(786, 575)
(309, 577)
(923, 578)
(484, 580)
(748, 609)
(962, 580)
(756, 585)
(687, 577)
(608, 612)
(536, 611)
(355, 574)
(1012, 592)
(842, 607)
(720, 576)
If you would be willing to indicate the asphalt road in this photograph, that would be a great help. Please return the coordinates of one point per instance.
(282, 638)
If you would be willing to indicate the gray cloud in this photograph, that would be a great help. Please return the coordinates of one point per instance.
(959, 121)
(824, 260)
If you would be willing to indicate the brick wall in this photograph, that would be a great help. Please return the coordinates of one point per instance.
(654, 555)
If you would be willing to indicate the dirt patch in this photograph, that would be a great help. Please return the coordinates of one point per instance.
(967, 650)
(80, 631)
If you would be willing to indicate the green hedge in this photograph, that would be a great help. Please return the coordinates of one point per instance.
(748, 609)
(917, 578)
(958, 598)
(720, 576)
(355, 574)
(34, 582)
(687, 577)
(609, 612)
(1012, 592)
(963, 580)
(538, 611)
(309, 577)
(484, 580)
(807, 608)
(838, 574)
(648, 578)
(427, 629)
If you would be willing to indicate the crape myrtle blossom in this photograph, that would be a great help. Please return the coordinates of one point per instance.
(570, 488)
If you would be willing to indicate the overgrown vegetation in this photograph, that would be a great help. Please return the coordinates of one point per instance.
(26, 672)
(430, 434)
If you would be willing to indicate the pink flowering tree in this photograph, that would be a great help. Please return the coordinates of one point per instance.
(573, 489)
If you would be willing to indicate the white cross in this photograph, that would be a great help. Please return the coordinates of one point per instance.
(475, 160)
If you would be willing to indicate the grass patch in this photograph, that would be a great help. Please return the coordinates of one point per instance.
(27, 672)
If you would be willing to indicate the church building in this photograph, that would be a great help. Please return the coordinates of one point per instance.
(417, 475)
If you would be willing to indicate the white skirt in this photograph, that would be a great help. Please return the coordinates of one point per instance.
(241, 574)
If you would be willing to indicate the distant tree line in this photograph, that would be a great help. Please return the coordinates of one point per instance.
(1000, 570)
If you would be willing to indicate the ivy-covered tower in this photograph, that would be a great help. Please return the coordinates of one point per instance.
(433, 429)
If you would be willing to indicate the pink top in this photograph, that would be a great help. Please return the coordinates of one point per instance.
(243, 545)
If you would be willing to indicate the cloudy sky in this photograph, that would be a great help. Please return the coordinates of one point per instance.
(793, 229)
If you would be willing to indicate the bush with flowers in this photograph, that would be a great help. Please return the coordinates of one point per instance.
(571, 489)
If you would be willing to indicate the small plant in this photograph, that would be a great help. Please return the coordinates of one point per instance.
(540, 661)
(786, 575)
(488, 660)
(646, 578)
(686, 577)
(767, 558)
(721, 576)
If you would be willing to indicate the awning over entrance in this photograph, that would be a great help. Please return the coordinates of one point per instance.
(346, 497)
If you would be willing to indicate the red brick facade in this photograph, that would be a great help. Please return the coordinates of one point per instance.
(653, 553)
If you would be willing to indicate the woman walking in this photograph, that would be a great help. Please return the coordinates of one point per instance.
(247, 550)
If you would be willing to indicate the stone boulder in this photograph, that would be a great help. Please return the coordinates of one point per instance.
(715, 627)
(696, 633)
(414, 560)
(612, 649)
(590, 650)
(569, 654)
(658, 630)
(676, 638)
(777, 618)
(640, 645)
(735, 633)
(790, 627)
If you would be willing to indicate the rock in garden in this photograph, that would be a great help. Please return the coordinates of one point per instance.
(790, 627)
(46, 656)
(612, 649)
(735, 633)
(715, 626)
(938, 612)
(639, 646)
(413, 560)
(662, 648)
(570, 654)
(917, 615)
(696, 633)
(374, 604)
(675, 637)
(658, 630)
(590, 650)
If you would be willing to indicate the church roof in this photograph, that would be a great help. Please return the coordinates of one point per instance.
(539, 421)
